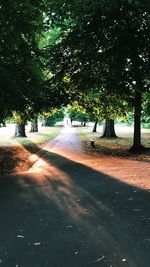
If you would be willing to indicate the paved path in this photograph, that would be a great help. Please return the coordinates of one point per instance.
(71, 210)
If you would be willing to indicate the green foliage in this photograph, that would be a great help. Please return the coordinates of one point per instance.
(20, 63)
(19, 117)
(50, 37)
(146, 110)
(77, 112)
(107, 49)
(55, 115)
(92, 54)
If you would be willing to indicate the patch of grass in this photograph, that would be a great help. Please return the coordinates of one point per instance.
(39, 139)
(84, 134)
(15, 152)
(118, 147)
(44, 134)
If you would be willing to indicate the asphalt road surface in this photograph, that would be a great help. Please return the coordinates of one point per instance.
(64, 212)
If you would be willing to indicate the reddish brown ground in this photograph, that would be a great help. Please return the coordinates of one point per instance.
(128, 168)
(116, 161)
(14, 158)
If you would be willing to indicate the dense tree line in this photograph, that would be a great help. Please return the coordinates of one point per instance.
(96, 53)
(106, 50)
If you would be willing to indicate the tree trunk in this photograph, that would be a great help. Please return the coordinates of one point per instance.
(20, 130)
(137, 146)
(34, 126)
(3, 123)
(84, 123)
(44, 122)
(109, 130)
(95, 126)
(138, 73)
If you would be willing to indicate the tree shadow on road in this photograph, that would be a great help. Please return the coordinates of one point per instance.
(68, 214)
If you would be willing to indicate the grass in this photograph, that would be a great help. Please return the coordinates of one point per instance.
(39, 139)
(15, 153)
(44, 134)
(118, 147)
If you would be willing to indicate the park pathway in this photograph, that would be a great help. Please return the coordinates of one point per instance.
(75, 210)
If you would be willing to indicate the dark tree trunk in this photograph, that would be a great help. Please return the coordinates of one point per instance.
(20, 130)
(95, 126)
(34, 126)
(109, 130)
(3, 123)
(44, 122)
(84, 123)
(137, 146)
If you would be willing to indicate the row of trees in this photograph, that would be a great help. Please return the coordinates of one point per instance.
(21, 74)
(25, 91)
(105, 55)
(94, 53)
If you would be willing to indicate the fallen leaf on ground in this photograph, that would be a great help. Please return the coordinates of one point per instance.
(20, 236)
(37, 243)
(99, 259)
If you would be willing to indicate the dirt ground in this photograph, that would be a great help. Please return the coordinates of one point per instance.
(19, 154)
(111, 156)
(76, 209)
(115, 158)
(122, 165)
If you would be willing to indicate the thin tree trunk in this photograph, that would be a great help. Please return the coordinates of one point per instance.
(95, 126)
(20, 130)
(34, 126)
(44, 122)
(84, 123)
(137, 146)
(109, 130)
(3, 123)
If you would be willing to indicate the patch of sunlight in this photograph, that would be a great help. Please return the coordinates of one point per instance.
(44, 134)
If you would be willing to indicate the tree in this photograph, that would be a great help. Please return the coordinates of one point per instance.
(107, 49)
(76, 111)
(53, 116)
(109, 130)
(21, 76)
(20, 120)
(34, 124)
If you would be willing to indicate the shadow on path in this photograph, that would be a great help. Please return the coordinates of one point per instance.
(66, 214)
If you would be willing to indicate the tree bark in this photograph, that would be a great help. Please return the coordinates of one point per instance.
(95, 126)
(137, 146)
(3, 123)
(44, 122)
(34, 126)
(109, 130)
(138, 73)
(20, 130)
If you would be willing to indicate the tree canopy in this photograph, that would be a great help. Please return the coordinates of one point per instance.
(107, 49)
(53, 53)
(20, 67)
